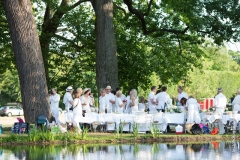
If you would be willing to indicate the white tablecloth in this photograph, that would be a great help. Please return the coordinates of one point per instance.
(213, 117)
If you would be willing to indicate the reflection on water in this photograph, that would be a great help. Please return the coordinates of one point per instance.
(158, 151)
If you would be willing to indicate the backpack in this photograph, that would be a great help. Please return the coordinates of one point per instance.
(205, 130)
(196, 129)
(214, 131)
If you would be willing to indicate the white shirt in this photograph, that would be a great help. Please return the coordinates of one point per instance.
(66, 100)
(181, 95)
(110, 96)
(151, 106)
(236, 103)
(220, 101)
(163, 98)
(118, 103)
(54, 101)
(123, 97)
(103, 103)
(128, 101)
(193, 101)
(141, 106)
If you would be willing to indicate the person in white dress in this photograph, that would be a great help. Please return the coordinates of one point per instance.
(103, 101)
(141, 104)
(110, 97)
(86, 100)
(77, 112)
(181, 94)
(152, 100)
(54, 105)
(128, 100)
(193, 111)
(220, 102)
(119, 103)
(123, 97)
(133, 102)
(236, 108)
(163, 100)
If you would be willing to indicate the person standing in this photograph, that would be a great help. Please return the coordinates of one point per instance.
(193, 110)
(119, 103)
(103, 101)
(77, 112)
(181, 94)
(152, 100)
(79, 91)
(123, 97)
(87, 101)
(67, 98)
(220, 103)
(54, 105)
(236, 107)
(111, 99)
(163, 100)
(133, 102)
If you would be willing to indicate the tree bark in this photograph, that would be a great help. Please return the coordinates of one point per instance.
(106, 48)
(29, 61)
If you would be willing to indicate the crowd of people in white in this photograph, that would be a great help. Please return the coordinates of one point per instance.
(80, 102)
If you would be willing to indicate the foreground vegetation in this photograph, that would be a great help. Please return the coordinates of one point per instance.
(71, 137)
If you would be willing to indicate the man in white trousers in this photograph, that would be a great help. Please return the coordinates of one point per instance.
(220, 103)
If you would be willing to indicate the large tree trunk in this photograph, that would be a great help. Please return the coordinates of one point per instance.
(106, 49)
(28, 57)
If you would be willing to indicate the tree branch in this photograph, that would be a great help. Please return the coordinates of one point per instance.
(120, 8)
(70, 41)
(149, 8)
(141, 17)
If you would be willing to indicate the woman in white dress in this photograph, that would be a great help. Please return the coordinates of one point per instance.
(236, 108)
(133, 101)
(77, 112)
(128, 100)
(119, 103)
(193, 111)
(86, 100)
(141, 105)
(103, 101)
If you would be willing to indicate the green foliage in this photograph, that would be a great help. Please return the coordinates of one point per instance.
(135, 130)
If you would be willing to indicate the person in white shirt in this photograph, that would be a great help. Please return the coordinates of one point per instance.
(119, 103)
(163, 100)
(103, 101)
(54, 105)
(141, 104)
(220, 103)
(123, 97)
(111, 99)
(67, 98)
(77, 112)
(181, 94)
(87, 101)
(193, 111)
(79, 91)
(151, 100)
(133, 102)
(236, 108)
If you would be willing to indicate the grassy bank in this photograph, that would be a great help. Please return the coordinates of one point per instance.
(45, 138)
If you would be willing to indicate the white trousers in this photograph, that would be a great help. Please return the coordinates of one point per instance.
(55, 113)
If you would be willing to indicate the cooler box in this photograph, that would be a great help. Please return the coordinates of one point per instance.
(179, 129)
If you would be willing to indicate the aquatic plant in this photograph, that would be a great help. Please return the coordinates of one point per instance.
(135, 130)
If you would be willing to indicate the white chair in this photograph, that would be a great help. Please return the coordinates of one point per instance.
(97, 121)
(141, 121)
(126, 122)
(87, 119)
(109, 122)
(158, 120)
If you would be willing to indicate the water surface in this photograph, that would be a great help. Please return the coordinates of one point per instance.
(156, 151)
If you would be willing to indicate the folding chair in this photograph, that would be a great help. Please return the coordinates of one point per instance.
(109, 122)
(126, 122)
(158, 120)
(141, 121)
(98, 121)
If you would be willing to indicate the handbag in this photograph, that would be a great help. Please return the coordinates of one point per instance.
(71, 108)
(165, 106)
(196, 129)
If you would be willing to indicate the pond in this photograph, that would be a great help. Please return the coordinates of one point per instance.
(158, 151)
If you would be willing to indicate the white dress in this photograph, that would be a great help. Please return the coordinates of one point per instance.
(77, 113)
(118, 103)
(193, 111)
(88, 102)
(54, 105)
(133, 108)
(141, 107)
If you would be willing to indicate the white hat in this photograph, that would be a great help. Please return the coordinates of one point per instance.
(85, 90)
(69, 88)
(108, 87)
